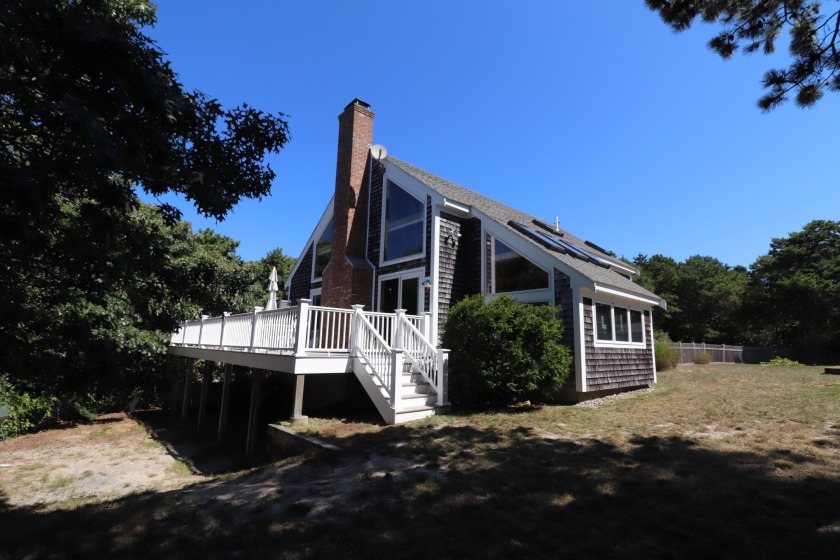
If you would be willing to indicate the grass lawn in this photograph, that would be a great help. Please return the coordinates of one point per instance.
(718, 461)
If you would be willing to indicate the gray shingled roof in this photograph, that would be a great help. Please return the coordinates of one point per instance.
(504, 214)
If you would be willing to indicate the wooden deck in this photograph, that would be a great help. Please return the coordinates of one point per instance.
(402, 372)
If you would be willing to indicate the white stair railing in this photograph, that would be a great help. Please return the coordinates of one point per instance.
(425, 358)
(369, 345)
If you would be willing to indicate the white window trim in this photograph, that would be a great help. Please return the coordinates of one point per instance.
(617, 343)
(315, 292)
(382, 230)
(317, 238)
(418, 273)
(522, 295)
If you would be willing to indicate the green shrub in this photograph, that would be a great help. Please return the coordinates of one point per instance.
(702, 358)
(781, 362)
(666, 357)
(26, 412)
(503, 351)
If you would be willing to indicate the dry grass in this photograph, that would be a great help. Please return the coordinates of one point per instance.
(718, 461)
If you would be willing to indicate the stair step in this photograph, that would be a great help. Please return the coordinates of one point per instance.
(413, 396)
(410, 409)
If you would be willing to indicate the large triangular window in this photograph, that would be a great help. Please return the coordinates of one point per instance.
(511, 272)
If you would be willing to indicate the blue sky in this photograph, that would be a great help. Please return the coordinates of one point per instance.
(640, 140)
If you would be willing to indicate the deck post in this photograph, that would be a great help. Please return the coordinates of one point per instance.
(427, 325)
(442, 388)
(206, 378)
(254, 413)
(222, 335)
(397, 361)
(254, 321)
(173, 397)
(297, 411)
(302, 327)
(201, 328)
(396, 334)
(223, 413)
(185, 404)
(355, 325)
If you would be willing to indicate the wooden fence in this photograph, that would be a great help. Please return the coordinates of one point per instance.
(728, 352)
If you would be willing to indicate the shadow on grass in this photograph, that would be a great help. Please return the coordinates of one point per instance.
(466, 493)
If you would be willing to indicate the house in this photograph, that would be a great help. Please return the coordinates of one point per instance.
(394, 236)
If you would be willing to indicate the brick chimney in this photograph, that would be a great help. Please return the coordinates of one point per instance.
(348, 276)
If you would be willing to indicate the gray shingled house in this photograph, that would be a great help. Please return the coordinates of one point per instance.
(394, 236)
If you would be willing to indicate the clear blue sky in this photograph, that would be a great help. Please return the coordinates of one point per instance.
(640, 140)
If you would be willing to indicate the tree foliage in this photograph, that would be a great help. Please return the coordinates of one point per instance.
(704, 297)
(794, 297)
(789, 297)
(756, 25)
(504, 351)
(91, 280)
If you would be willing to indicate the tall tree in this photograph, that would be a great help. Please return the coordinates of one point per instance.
(753, 25)
(704, 297)
(90, 111)
(794, 297)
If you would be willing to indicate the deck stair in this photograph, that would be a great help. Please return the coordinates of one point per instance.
(403, 383)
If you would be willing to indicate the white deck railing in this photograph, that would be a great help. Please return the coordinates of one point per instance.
(327, 329)
(384, 340)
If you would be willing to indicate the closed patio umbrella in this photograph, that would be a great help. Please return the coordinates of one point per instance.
(272, 290)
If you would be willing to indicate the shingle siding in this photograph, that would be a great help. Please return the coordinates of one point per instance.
(615, 368)
(302, 280)
(563, 297)
(459, 262)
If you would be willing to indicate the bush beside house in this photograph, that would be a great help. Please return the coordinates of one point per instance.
(666, 357)
(503, 351)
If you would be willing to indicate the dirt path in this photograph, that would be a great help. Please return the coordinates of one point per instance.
(108, 458)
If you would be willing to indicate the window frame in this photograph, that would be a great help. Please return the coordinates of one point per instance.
(315, 248)
(315, 292)
(613, 342)
(383, 224)
(403, 275)
(491, 273)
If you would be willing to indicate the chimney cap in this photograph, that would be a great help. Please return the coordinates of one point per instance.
(357, 101)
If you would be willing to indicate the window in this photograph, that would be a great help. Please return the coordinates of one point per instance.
(404, 224)
(603, 318)
(315, 296)
(323, 251)
(513, 273)
(636, 329)
(401, 292)
(615, 324)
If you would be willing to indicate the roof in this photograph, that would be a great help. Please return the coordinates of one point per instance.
(505, 216)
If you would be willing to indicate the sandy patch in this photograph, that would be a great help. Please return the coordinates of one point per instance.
(111, 457)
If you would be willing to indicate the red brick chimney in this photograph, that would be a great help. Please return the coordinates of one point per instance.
(348, 276)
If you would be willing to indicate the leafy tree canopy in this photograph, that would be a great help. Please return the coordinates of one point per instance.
(704, 297)
(756, 25)
(90, 111)
(794, 298)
